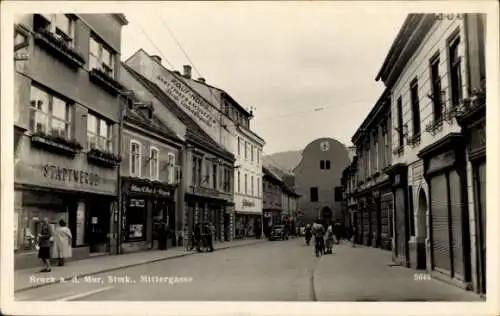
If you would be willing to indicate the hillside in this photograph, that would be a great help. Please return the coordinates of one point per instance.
(286, 160)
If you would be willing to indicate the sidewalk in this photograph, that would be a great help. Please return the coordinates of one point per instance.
(366, 274)
(103, 264)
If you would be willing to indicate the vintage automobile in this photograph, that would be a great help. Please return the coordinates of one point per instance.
(278, 232)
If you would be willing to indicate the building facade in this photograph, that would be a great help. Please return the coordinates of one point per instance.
(226, 122)
(62, 131)
(374, 195)
(207, 169)
(429, 72)
(316, 177)
(272, 202)
(150, 174)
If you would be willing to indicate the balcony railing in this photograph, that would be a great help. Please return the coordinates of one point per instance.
(434, 127)
(414, 140)
(477, 99)
(59, 48)
(103, 158)
(56, 143)
(102, 79)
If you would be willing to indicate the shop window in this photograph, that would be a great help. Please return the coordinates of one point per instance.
(154, 166)
(455, 71)
(314, 194)
(135, 158)
(171, 168)
(101, 57)
(62, 25)
(136, 220)
(415, 107)
(49, 114)
(436, 89)
(99, 133)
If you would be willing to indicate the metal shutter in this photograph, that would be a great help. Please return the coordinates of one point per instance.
(359, 227)
(386, 219)
(400, 211)
(373, 222)
(439, 209)
(481, 174)
(366, 226)
(456, 225)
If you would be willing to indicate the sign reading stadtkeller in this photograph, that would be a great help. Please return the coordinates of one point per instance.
(182, 94)
(148, 189)
(63, 174)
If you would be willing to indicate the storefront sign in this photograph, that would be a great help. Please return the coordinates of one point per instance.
(205, 191)
(182, 94)
(63, 174)
(149, 189)
(442, 161)
(248, 203)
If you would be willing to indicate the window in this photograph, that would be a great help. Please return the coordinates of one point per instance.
(400, 122)
(135, 158)
(222, 178)
(59, 24)
(327, 164)
(49, 114)
(214, 176)
(258, 156)
(322, 164)
(376, 157)
(239, 146)
(239, 182)
(251, 153)
(436, 89)
(455, 72)
(415, 107)
(207, 174)
(101, 57)
(246, 183)
(314, 194)
(99, 133)
(153, 163)
(258, 186)
(385, 161)
(251, 185)
(246, 150)
(338, 194)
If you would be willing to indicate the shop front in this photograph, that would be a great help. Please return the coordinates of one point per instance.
(398, 174)
(62, 187)
(445, 172)
(271, 217)
(147, 205)
(473, 124)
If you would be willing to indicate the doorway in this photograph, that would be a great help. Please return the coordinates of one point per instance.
(422, 230)
(98, 224)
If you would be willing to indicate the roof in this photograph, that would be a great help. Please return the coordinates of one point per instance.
(271, 174)
(194, 133)
(154, 124)
(374, 115)
(121, 18)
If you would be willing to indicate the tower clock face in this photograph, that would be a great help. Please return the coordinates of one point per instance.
(324, 146)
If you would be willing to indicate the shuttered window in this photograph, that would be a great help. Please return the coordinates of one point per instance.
(440, 232)
(400, 218)
(456, 225)
(386, 219)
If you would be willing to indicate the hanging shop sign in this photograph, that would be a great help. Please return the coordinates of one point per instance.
(69, 175)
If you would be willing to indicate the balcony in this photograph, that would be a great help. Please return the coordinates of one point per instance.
(102, 158)
(414, 140)
(59, 49)
(399, 151)
(55, 143)
(468, 107)
(105, 81)
(434, 127)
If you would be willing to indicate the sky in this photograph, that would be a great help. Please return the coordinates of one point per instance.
(307, 69)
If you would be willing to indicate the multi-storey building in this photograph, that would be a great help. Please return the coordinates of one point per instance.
(373, 218)
(205, 192)
(150, 172)
(272, 202)
(349, 188)
(430, 70)
(226, 122)
(66, 116)
(316, 176)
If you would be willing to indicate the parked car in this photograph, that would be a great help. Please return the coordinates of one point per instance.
(278, 232)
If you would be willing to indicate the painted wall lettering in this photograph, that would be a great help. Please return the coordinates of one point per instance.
(70, 175)
(183, 95)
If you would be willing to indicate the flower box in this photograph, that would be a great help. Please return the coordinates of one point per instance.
(109, 84)
(56, 143)
(59, 49)
(414, 140)
(434, 127)
(102, 157)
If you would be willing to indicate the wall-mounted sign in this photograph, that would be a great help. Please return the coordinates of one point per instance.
(182, 94)
(248, 203)
(147, 188)
(62, 174)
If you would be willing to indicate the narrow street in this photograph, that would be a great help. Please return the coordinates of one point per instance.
(268, 271)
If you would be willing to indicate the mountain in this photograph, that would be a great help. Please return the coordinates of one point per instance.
(286, 160)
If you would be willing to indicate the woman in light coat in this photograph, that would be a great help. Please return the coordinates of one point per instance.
(62, 243)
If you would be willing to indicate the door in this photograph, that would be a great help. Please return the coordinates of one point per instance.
(481, 224)
(439, 223)
(386, 221)
(456, 225)
(400, 218)
(226, 226)
(98, 219)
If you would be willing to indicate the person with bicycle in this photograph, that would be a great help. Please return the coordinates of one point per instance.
(319, 238)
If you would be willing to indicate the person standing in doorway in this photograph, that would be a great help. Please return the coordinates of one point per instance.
(62, 243)
(44, 244)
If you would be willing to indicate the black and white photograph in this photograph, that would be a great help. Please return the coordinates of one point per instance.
(262, 154)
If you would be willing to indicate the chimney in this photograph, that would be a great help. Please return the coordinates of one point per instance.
(177, 72)
(202, 80)
(187, 71)
(156, 58)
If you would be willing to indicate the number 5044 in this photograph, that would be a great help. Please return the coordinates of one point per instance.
(449, 16)
(421, 277)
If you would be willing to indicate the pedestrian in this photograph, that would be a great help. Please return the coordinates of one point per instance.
(330, 239)
(353, 236)
(62, 243)
(45, 242)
